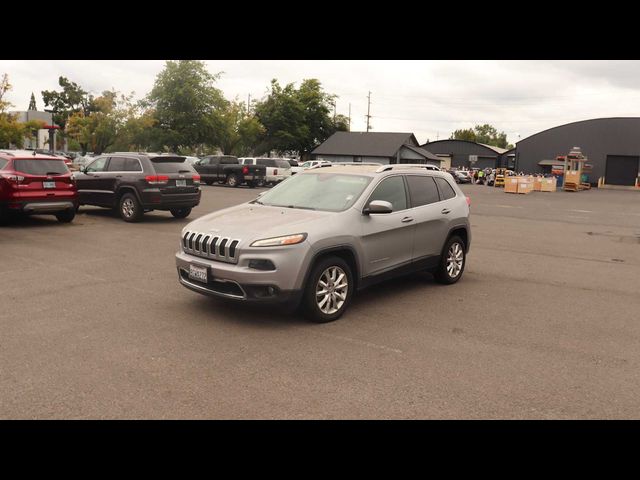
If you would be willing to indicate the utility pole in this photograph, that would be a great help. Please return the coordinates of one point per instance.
(248, 104)
(368, 109)
(349, 117)
(334, 111)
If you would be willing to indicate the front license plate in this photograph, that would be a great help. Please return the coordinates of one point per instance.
(49, 184)
(181, 183)
(198, 273)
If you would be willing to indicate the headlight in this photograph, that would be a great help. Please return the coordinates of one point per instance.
(278, 241)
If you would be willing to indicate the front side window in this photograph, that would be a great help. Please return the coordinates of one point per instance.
(422, 190)
(317, 191)
(97, 165)
(391, 190)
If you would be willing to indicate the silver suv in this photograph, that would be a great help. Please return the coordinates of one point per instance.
(315, 239)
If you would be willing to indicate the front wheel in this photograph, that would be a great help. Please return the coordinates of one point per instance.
(329, 290)
(66, 216)
(452, 261)
(180, 212)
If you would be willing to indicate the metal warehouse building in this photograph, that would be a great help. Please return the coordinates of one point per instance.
(612, 146)
(464, 153)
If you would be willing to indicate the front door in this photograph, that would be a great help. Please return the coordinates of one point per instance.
(93, 184)
(387, 238)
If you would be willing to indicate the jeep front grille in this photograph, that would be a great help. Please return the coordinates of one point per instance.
(207, 245)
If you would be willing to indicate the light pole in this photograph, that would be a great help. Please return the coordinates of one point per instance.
(52, 132)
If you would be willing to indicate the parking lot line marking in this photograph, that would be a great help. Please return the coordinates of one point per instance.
(508, 206)
(581, 211)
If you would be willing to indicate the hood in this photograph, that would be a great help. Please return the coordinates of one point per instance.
(253, 221)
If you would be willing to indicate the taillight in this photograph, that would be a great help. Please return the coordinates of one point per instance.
(245, 170)
(196, 179)
(12, 179)
(468, 200)
(157, 179)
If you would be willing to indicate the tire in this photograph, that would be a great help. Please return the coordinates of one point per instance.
(180, 212)
(252, 184)
(259, 183)
(232, 180)
(209, 182)
(328, 270)
(452, 261)
(66, 216)
(129, 208)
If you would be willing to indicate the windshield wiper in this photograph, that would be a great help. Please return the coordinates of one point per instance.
(54, 173)
(298, 206)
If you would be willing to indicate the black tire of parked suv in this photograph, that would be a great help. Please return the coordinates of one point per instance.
(180, 212)
(232, 180)
(66, 216)
(252, 184)
(310, 304)
(129, 208)
(209, 182)
(456, 249)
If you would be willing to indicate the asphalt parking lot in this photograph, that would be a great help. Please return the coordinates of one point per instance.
(544, 324)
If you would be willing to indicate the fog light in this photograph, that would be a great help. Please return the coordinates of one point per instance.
(261, 264)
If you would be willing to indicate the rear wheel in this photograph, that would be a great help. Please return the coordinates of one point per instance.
(66, 216)
(329, 290)
(130, 209)
(452, 261)
(232, 180)
(180, 212)
(209, 182)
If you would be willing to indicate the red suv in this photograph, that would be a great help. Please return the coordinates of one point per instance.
(32, 183)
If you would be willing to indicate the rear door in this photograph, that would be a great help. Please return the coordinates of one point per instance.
(387, 238)
(428, 211)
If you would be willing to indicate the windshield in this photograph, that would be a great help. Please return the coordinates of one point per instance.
(331, 192)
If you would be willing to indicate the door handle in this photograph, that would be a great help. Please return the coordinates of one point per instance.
(407, 220)
(118, 176)
(445, 211)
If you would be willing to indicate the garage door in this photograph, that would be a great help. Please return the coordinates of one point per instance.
(621, 170)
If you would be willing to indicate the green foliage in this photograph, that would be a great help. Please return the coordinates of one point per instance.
(32, 102)
(188, 107)
(486, 134)
(72, 99)
(297, 120)
(240, 131)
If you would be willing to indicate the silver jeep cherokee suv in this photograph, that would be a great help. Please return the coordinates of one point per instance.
(323, 234)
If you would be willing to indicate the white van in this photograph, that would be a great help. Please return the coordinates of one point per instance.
(311, 163)
(278, 169)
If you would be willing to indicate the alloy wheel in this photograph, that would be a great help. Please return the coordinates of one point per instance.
(331, 290)
(455, 260)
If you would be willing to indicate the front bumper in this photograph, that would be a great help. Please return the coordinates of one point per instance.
(237, 281)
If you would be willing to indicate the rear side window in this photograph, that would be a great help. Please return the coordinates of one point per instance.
(116, 164)
(391, 190)
(229, 161)
(446, 190)
(40, 167)
(3, 162)
(132, 165)
(422, 189)
(282, 164)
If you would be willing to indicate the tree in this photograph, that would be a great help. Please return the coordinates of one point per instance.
(187, 106)
(241, 132)
(298, 120)
(486, 134)
(10, 130)
(32, 103)
(70, 100)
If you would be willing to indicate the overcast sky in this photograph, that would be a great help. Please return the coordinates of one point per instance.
(428, 98)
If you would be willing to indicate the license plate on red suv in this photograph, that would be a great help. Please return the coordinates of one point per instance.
(48, 184)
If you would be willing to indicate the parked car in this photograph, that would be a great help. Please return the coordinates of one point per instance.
(460, 176)
(135, 183)
(32, 183)
(192, 160)
(292, 162)
(327, 232)
(227, 169)
(278, 169)
(308, 164)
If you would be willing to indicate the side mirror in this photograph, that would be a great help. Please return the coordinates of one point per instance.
(378, 206)
(83, 169)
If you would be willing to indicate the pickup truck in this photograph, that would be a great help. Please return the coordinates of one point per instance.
(227, 169)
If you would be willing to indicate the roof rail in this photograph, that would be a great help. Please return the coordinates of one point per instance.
(427, 166)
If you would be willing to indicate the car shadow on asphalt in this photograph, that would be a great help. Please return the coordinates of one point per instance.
(28, 221)
(150, 217)
(278, 317)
